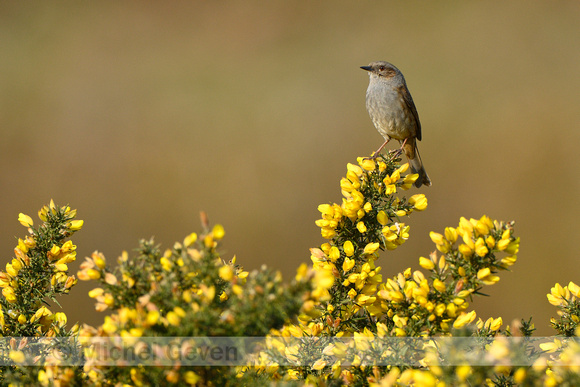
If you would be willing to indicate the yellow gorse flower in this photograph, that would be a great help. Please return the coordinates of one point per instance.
(419, 201)
(25, 220)
(348, 248)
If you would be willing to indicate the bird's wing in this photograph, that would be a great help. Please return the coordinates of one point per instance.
(411, 105)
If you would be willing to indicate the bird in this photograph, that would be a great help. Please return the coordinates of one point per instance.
(393, 112)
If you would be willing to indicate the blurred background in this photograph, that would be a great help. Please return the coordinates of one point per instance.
(142, 114)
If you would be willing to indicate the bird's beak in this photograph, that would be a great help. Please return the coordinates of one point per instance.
(367, 68)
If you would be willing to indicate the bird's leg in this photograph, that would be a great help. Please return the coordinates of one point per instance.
(397, 152)
(376, 154)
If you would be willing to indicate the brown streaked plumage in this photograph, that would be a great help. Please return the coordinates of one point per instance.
(394, 114)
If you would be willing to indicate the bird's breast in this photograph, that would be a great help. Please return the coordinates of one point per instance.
(388, 112)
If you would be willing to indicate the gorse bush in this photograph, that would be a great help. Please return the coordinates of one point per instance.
(34, 278)
(344, 320)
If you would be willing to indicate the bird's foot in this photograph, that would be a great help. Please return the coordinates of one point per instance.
(396, 152)
(372, 157)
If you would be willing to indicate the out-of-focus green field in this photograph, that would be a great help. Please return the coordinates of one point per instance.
(142, 114)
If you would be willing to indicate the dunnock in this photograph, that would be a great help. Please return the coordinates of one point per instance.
(393, 112)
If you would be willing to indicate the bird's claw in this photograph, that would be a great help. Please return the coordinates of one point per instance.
(396, 152)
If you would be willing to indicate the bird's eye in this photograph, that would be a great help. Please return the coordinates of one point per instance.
(381, 68)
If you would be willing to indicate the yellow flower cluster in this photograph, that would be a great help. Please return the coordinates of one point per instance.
(331, 262)
(567, 299)
(24, 283)
(417, 305)
(59, 257)
(368, 181)
(491, 324)
(563, 296)
(366, 221)
(9, 278)
(479, 237)
(53, 375)
(563, 365)
(413, 298)
(500, 353)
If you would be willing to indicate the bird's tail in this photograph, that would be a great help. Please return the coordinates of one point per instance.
(412, 153)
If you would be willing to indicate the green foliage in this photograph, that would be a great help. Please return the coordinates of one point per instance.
(186, 291)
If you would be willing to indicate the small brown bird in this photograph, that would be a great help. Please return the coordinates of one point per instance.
(393, 113)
